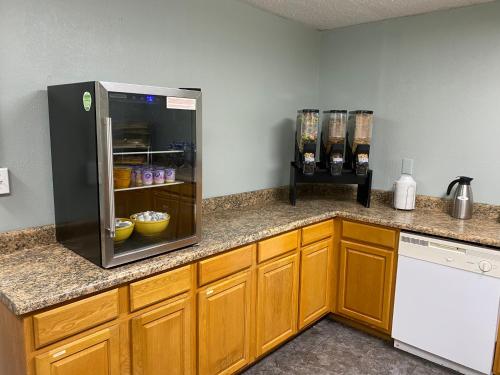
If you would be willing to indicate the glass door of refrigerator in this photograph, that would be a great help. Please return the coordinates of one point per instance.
(154, 171)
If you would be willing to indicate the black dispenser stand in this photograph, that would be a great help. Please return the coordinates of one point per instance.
(322, 175)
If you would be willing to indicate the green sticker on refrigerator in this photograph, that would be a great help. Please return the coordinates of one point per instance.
(87, 101)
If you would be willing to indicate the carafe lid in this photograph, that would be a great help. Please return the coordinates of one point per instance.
(463, 180)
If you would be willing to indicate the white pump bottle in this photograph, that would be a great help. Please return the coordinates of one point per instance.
(405, 188)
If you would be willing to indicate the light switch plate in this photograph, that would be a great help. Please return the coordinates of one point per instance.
(4, 181)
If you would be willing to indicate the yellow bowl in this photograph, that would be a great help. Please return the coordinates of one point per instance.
(150, 228)
(121, 234)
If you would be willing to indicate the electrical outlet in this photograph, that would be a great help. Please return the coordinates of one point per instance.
(4, 181)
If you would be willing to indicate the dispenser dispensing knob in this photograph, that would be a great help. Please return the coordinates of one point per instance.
(485, 266)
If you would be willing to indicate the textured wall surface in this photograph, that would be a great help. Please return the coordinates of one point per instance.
(255, 70)
(434, 83)
(433, 80)
(330, 14)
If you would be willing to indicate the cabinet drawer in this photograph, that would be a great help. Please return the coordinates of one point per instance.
(224, 265)
(369, 233)
(316, 232)
(158, 288)
(276, 246)
(75, 317)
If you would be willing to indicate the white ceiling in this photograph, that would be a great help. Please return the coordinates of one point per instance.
(330, 14)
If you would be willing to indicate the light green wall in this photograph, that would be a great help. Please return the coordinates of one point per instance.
(434, 83)
(255, 70)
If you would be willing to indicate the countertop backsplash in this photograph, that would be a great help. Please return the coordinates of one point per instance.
(44, 235)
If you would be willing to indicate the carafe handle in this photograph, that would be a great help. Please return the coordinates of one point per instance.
(450, 186)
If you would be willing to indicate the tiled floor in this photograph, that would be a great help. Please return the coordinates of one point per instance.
(332, 348)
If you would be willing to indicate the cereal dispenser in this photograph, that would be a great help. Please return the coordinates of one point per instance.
(340, 161)
(307, 137)
(334, 132)
(362, 121)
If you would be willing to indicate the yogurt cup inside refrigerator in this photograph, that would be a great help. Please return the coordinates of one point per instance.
(170, 175)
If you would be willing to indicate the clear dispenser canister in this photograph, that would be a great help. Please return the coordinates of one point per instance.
(363, 124)
(334, 139)
(307, 127)
(307, 138)
(335, 128)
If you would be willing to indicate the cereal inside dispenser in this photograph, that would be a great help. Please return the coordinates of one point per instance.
(307, 137)
(334, 132)
(363, 124)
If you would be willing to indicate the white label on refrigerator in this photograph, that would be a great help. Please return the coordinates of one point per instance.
(181, 103)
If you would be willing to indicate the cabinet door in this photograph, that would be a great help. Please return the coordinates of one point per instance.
(96, 354)
(365, 284)
(315, 280)
(224, 325)
(161, 340)
(277, 302)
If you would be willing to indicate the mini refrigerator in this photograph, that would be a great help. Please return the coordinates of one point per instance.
(125, 156)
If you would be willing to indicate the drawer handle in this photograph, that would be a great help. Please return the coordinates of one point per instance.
(210, 291)
(58, 354)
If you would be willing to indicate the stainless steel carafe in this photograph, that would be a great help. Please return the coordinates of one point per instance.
(462, 200)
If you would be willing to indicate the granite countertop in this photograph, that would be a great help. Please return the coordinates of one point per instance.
(42, 276)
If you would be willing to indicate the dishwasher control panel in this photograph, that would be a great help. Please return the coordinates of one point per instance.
(453, 254)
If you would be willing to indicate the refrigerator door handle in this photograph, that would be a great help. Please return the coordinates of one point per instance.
(109, 177)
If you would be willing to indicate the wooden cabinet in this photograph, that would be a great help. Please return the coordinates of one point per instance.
(277, 302)
(96, 354)
(366, 279)
(161, 340)
(315, 281)
(249, 300)
(224, 322)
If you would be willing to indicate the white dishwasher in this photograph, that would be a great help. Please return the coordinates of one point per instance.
(447, 302)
